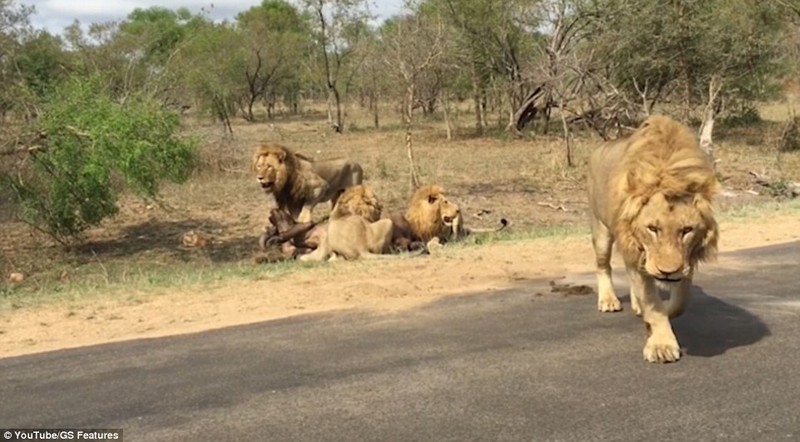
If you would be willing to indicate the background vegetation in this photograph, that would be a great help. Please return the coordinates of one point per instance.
(105, 111)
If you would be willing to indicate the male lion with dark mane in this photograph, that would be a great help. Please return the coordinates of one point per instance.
(299, 183)
(652, 193)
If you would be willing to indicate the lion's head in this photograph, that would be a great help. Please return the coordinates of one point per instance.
(273, 166)
(664, 186)
(358, 200)
(430, 213)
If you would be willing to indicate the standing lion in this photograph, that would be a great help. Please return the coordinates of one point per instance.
(299, 183)
(651, 194)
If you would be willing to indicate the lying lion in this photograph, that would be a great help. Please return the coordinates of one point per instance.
(651, 194)
(298, 183)
(434, 219)
(354, 235)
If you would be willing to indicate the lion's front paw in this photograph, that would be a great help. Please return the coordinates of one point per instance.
(661, 350)
(609, 304)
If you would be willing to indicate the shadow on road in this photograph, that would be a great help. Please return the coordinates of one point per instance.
(710, 326)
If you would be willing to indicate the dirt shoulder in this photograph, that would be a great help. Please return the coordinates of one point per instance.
(384, 286)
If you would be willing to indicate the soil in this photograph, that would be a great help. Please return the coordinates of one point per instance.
(378, 287)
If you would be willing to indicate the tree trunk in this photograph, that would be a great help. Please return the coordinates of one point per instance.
(480, 120)
(339, 117)
(414, 176)
(707, 128)
(567, 134)
(447, 125)
(249, 115)
(373, 107)
(548, 98)
(687, 91)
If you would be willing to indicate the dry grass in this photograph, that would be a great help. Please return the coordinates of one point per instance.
(524, 180)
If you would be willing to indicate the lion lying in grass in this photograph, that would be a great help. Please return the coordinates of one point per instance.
(299, 183)
(434, 219)
(651, 194)
(353, 230)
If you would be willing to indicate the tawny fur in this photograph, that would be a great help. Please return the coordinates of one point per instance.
(298, 183)
(662, 157)
(651, 194)
(350, 232)
(430, 214)
(359, 200)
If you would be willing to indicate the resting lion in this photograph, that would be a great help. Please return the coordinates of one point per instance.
(299, 183)
(353, 231)
(299, 238)
(652, 193)
(433, 218)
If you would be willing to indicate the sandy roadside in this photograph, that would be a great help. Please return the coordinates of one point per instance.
(379, 287)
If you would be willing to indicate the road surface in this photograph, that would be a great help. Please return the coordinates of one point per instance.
(525, 364)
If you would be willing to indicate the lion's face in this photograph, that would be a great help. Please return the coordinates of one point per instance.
(448, 210)
(271, 172)
(670, 232)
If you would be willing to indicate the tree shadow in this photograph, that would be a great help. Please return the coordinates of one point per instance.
(165, 238)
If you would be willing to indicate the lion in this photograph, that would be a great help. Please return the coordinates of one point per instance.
(651, 194)
(433, 218)
(358, 200)
(352, 230)
(430, 214)
(299, 238)
(298, 183)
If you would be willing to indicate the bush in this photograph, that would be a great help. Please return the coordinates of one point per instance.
(746, 116)
(790, 138)
(90, 141)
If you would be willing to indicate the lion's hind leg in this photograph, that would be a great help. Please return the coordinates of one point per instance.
(603, 240)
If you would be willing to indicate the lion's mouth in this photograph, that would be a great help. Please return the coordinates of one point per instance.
(266, 185)
(448, 220)
(668, 279)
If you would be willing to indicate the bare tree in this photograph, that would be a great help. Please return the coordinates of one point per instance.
(414, 44)
(340, 24)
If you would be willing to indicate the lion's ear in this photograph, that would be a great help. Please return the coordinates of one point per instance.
(280, 155)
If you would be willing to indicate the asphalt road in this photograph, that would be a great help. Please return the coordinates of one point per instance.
(493, 366)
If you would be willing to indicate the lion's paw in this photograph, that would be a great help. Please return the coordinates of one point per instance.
(609, 304)
(661, 350)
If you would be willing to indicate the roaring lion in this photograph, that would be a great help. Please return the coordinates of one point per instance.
(433, 218)
(299, 183)
(652, 194)
(353, 230)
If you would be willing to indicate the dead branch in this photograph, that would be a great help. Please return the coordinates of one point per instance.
(560, 207)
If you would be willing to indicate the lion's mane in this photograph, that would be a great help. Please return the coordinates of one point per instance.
(358, 200)
(662, 156)
(294, 182)
(423, 217)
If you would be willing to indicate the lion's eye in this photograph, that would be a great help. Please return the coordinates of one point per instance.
(653, 229)
(687, 230)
